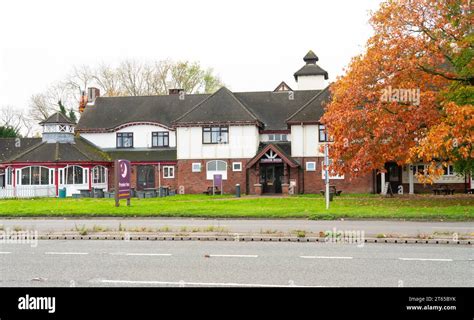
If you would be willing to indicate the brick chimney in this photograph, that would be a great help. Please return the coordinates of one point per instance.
(174, 91)
(92, 94)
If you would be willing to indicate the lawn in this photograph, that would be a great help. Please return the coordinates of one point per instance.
(304, 207)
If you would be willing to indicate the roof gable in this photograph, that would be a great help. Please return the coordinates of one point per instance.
(57, 117)
(313, 110)
(220, 107)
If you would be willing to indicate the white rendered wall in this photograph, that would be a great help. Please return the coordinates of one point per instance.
(264, 138)
(243, 143)
(443, 179)
(141, 137)
(311, 83)
(305, 141)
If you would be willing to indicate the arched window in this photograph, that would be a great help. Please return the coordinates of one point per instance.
(216, 167)
(75, 175)
(34, 175)
(99, 174)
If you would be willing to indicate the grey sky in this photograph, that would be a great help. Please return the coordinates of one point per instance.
(252, 45)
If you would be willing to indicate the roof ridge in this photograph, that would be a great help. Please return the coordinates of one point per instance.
(307, 103)
(212, 95)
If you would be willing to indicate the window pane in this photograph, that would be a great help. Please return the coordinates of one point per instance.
(223, 138)
(221, 166)
(206, 137)
(78, 175)
(44, 176)
(25, 176)
(69, 175)
(212, 166)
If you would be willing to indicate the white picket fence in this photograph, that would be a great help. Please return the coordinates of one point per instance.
(28, 192)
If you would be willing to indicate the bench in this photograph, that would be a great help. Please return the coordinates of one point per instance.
(443, 189)
(332, 189)
(209, 191)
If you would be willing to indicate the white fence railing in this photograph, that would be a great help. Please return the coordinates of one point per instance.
(27, 192)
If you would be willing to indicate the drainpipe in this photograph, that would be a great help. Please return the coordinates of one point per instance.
(159, 174)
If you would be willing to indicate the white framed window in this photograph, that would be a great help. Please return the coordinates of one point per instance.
(34, 175)
(216, 167)
(75, 175)
(196, 167)
(168, 172)
(9, 176)
(448, 171)
(236, 166)
(310, 166)
(277, 137)
(99, 174)
(332, 175)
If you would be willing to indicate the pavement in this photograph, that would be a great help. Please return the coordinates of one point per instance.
(371, 228)
(218, 264)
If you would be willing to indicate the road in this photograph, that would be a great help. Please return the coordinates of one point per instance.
(195, 263)
(371, 228)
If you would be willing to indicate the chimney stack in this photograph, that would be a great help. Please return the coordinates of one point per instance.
(175, 91)
(92, 94)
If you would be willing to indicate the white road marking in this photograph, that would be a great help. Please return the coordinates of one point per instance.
(206, 284)
(324, 257)
(234, 255)
(4, 252)
(149, 254)
(67, 253)
(424, 259)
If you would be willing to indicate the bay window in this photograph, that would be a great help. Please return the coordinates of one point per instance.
(34, 175)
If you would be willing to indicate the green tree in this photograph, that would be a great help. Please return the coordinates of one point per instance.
(72, 116)
(8, 132)
(62, 108)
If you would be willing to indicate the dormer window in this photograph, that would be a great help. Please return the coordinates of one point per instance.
(125, 140)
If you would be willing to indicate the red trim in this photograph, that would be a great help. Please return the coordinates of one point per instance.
(57, 164)
(56, 181)
(90, 178)
(154, 163)
(125, 125)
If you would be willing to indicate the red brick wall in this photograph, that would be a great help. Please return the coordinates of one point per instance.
(420, 188)
(312, 181)
(196, 182)
(172, 183)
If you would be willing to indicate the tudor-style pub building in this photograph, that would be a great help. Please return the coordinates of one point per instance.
(268, 142)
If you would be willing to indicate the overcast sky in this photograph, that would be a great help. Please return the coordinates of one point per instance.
(252, 45)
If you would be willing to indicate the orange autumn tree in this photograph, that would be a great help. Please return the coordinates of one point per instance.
(409, 97)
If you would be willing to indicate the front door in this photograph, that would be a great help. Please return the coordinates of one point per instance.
(271, 177)
(145, 177)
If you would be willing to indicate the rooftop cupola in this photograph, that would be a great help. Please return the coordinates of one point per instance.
(58, 128)
(311, 76)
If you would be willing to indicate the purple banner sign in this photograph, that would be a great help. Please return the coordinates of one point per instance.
(123, 172)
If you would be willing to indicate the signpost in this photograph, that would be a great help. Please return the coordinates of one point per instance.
(217, 181)
(326, 173)
(123, 172)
